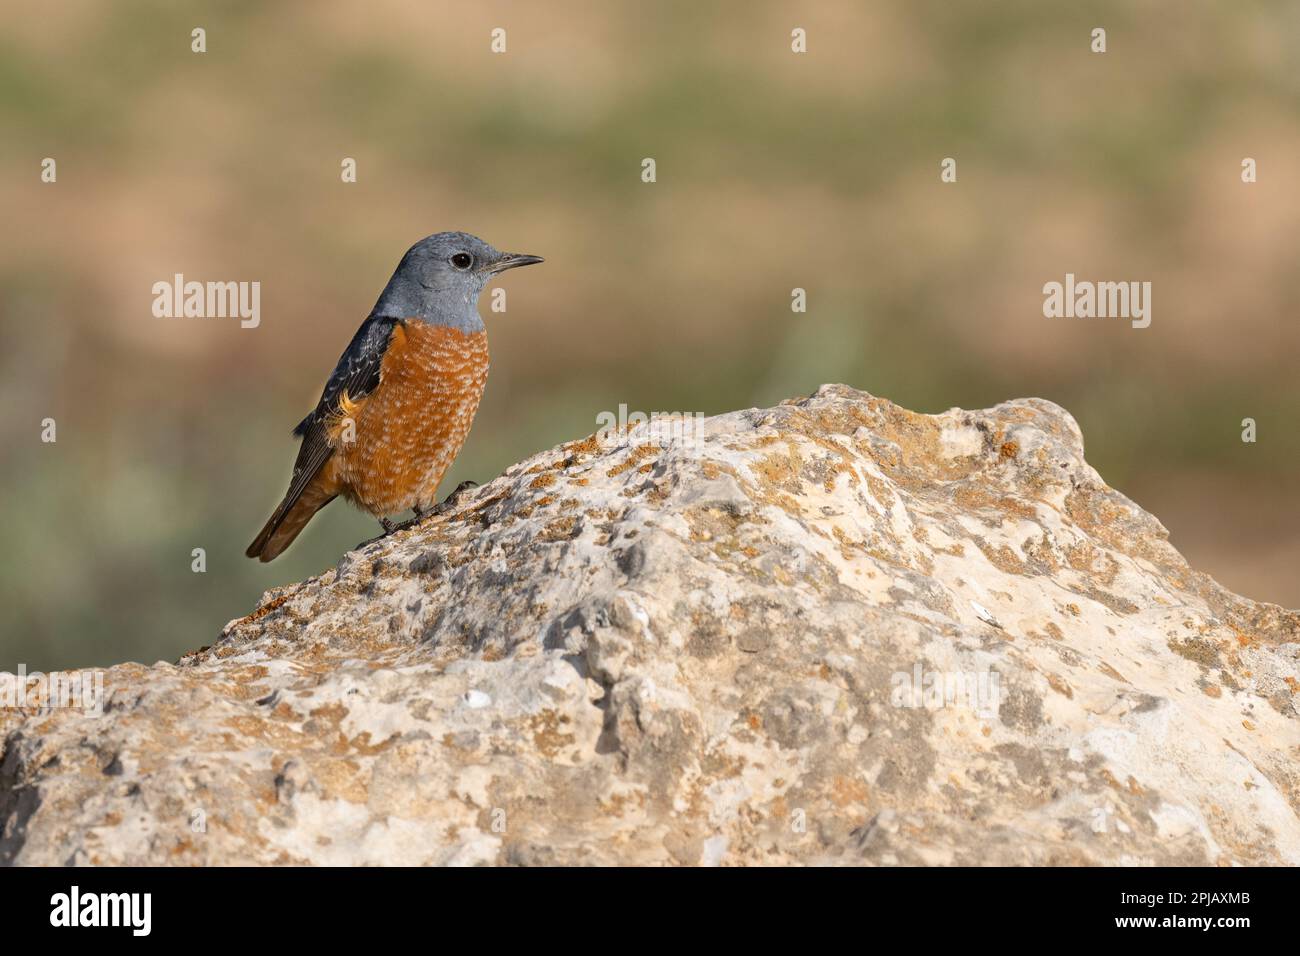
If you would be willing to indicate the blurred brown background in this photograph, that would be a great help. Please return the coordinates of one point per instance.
(775, 171)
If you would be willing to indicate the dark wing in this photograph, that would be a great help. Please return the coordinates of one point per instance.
(357, 374)
(357, 371)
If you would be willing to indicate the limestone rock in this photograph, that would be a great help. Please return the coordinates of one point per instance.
(834, 631)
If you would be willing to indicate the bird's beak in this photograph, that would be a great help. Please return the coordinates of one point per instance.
(513, 260)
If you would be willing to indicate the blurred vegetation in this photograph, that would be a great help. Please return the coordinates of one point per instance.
(774, 171)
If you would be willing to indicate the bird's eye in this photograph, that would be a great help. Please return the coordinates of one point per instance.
(462, 260)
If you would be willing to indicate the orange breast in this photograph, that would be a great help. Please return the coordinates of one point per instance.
(406, 433)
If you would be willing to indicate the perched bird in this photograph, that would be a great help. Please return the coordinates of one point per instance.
(397, 408)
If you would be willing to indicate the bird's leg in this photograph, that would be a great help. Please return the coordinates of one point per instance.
(450, 501)
(423, 514)
(420, 515)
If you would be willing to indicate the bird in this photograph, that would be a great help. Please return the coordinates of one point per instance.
(399, 404)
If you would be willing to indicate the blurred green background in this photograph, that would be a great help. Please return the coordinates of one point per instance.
(774, 171)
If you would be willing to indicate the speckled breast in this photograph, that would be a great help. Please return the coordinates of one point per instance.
(409, 430)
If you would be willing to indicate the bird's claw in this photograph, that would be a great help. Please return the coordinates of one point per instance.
(448, 503)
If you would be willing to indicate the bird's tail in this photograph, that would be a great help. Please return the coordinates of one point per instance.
(287, 521)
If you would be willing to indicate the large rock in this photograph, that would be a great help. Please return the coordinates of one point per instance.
(831, 631)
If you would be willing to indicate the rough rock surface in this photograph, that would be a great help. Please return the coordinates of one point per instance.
(715, 649)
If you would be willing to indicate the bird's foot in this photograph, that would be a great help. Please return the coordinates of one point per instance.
(421, 515)
(448, 503)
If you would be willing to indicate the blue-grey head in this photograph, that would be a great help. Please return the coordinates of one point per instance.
(440, 278)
